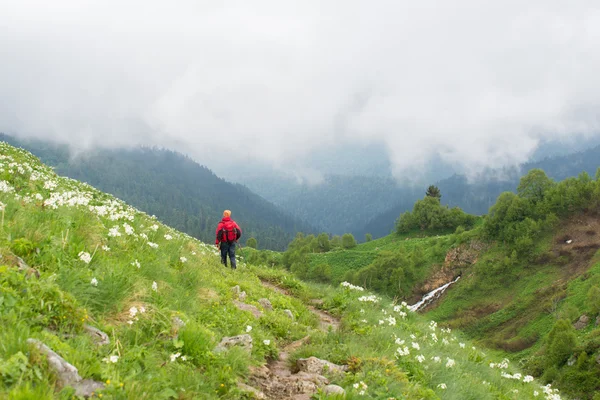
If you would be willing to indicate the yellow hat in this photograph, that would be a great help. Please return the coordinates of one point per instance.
(227, 213)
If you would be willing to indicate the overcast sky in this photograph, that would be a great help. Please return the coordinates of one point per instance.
(480, 82)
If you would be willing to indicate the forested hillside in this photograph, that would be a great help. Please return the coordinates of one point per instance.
(477, 196)
(173, 187)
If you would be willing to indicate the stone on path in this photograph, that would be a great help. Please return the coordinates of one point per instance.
(266, 304)
(243, 341)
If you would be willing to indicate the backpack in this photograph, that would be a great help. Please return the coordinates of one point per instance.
(229, 233)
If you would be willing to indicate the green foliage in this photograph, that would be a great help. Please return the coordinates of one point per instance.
(561, 343)
(368, 237)
(430, 214)
(433, 191)
(348, 241)
(593, 300)
(252, 242)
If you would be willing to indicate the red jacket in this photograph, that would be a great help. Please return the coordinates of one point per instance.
(228, 224)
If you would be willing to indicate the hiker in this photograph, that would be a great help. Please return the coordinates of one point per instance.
(227, 234)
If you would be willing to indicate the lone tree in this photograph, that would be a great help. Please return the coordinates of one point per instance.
(252, 242)
(433, 191)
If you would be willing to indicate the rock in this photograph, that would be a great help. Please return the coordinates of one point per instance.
(332, 390)
(67, 374)
(99, 337)
(243, 341)
(23, 267)
(86, 387)
(177, 322)
(289, 314)
(242, 296)
(582, 322)
(253, 392)
(248, 307)
(266, 304)
(314, 365)
(236, 290)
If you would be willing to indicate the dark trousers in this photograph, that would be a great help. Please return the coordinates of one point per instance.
(228, 248)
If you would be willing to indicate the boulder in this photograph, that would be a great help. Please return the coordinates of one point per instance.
(582, 322)
(265, 304)
(97, 335)
(334, 390)
(243, 341)
(314, 365)
(289, 314)
(253, 392)
(248, 307)
(66, 373)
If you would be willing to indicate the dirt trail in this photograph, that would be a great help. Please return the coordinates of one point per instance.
(326, 320)
(276, 379)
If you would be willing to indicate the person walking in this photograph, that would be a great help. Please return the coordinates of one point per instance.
(227, 234)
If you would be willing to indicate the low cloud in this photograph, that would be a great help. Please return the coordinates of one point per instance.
(477, 84)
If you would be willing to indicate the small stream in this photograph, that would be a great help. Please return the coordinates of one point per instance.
(431, 296)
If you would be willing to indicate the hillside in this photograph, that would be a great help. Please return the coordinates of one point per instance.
(136, 310)
(477, 196)
(176, 189)
(530, 273)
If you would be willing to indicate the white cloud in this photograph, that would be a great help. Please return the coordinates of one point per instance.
(480, 83)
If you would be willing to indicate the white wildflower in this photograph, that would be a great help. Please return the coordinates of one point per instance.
(434, 337)
(94, 282)
(111, 359)
(462, 345)
(248, 328)
(133, 312)
(154, 227)
(445, 341)
(39, 197)
(155, 286)
(128, 228)
(416, 346)
(399, 342)
(420, 358)
(436, 359)
(183, 358)
(442, 386)
(114, 232)
(536, 393)
(402, 351)
(130, 322)
(182, 259)
(433, 325)
(85, 257)
(144, 236)
(153, 245)
(372, 299)
(142, 309)
(175, 356)
(266, 342)
(413, 336)
(450, 363)
(168, 237)
(350, 286)
(528, 378)
(136, 263)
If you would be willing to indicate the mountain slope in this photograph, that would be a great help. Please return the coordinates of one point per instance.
(73, 256)
(175, 188)
(476, 197)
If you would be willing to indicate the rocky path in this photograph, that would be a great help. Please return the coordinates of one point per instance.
(276, 380)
